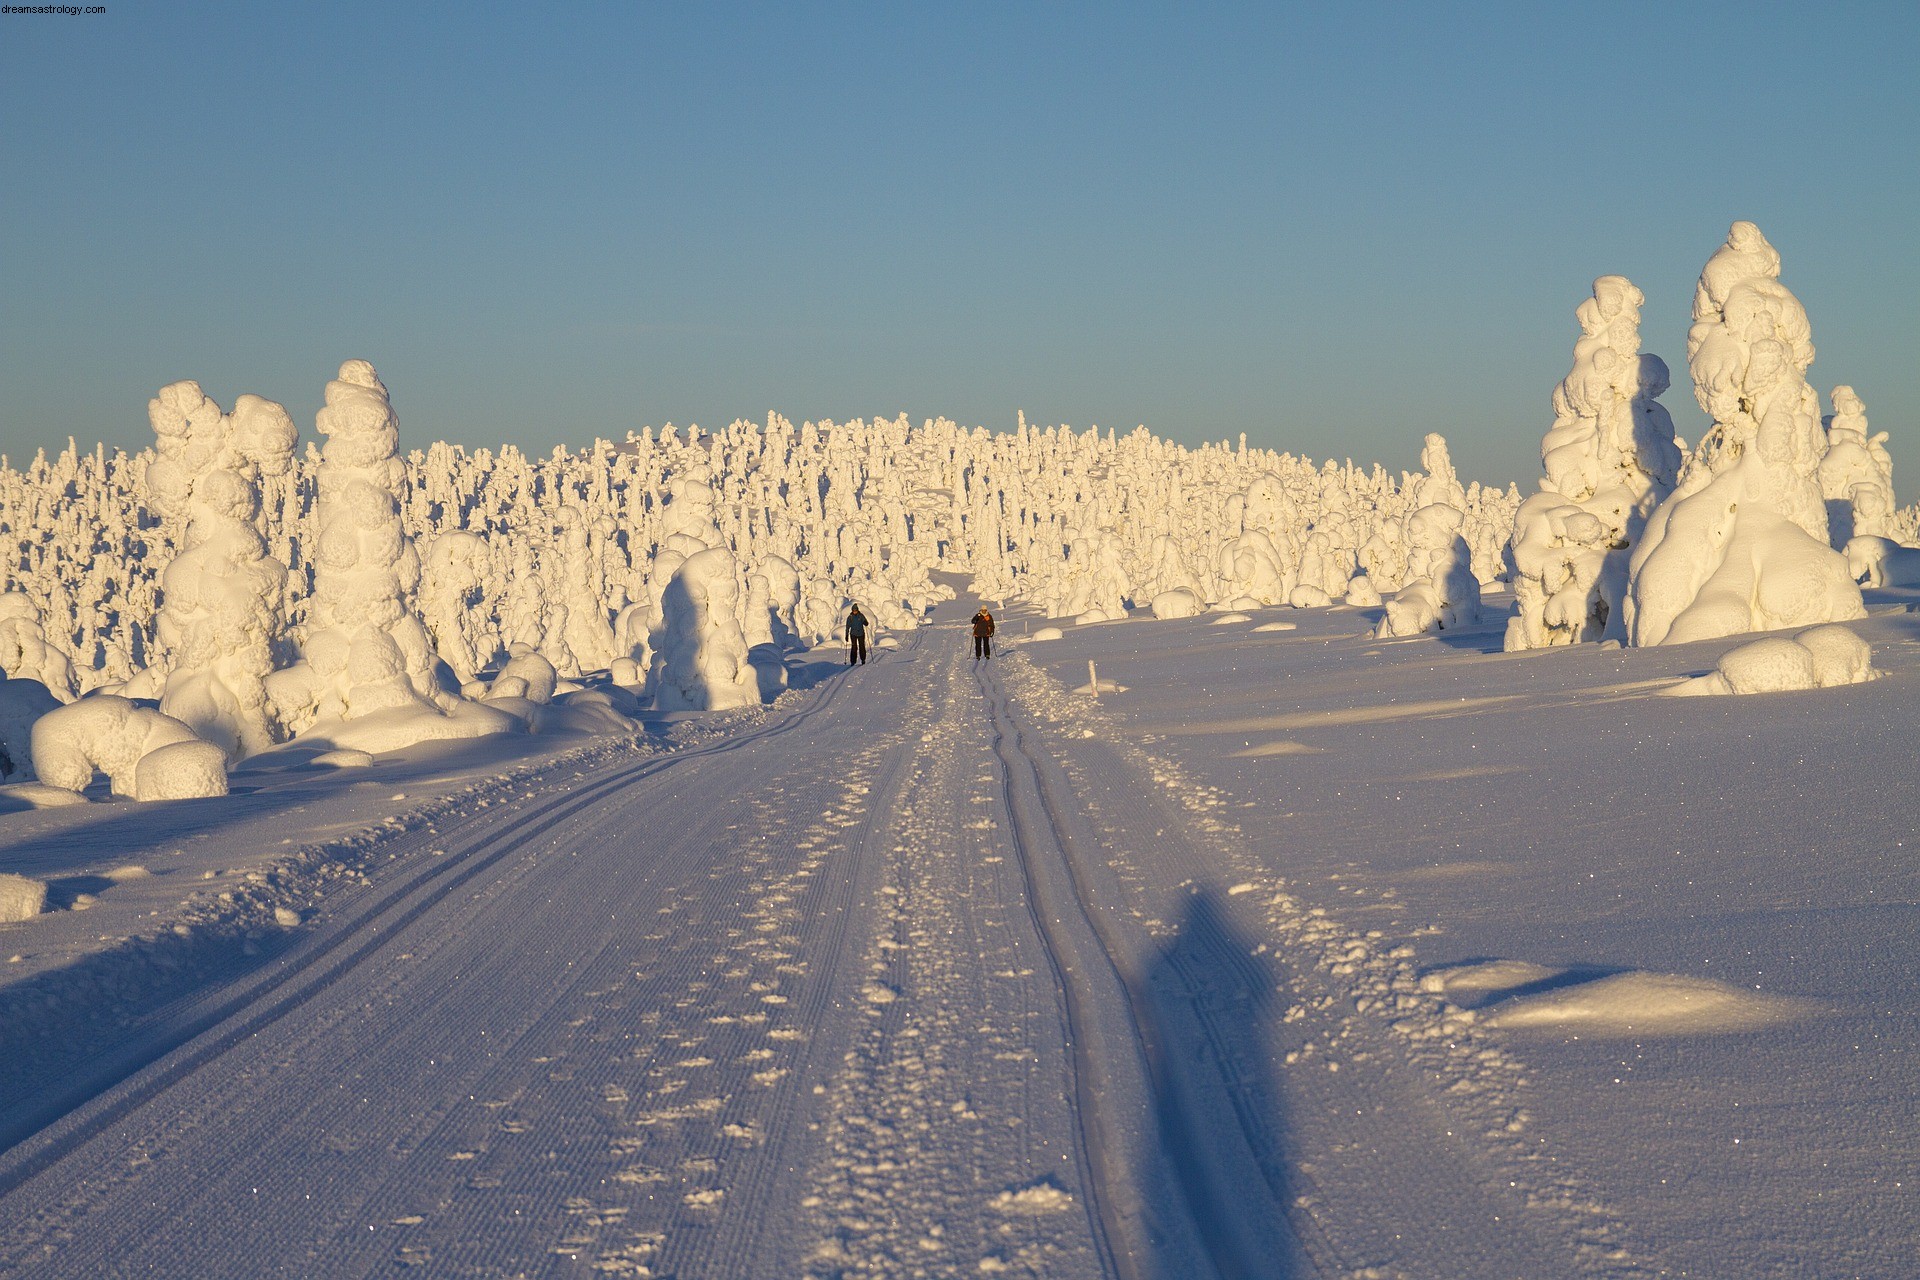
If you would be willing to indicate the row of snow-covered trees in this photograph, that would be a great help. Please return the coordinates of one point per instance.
(256, 591)
(1772, 521)
(246, 590)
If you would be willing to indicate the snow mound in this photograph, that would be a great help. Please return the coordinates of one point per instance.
(1047, 633)
(1105, 686)
(343, 759)
(181, 771)
(396, 728)
(36, 795)
(1177, 603)
(21, 898)
(1642, 1004)
(1277, 626)
(1227, 618)
(1482, 978)
(1822, 657)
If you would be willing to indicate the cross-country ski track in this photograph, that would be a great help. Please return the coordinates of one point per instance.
(919, 977)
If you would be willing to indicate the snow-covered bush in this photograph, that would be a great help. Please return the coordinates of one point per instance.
(1882, 562)
(1180, 602)
(1443, 591)
(21, 703)
(25, 653)
(105, 733)
(1741, 544)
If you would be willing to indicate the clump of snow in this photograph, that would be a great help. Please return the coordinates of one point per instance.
(1277, 626)
(1742, 543)
(1033, 1200)
(103, 733)
(1610, 459)
(21, 898)
(1818, 658)
(181, 771)
(1178, 602)
(1046, 633)
(1227, 619)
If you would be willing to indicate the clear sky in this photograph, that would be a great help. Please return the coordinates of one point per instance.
(1333, 227)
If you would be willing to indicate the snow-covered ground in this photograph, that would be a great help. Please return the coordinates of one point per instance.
(1297, 953)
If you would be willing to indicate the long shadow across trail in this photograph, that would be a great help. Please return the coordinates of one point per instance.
(1219, 1110)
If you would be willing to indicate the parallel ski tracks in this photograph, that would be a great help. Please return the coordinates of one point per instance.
(40, 1134)
(1168, 1199)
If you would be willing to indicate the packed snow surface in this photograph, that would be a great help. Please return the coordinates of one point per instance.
(1308, 954)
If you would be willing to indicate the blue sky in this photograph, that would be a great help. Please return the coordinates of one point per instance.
(1331, 227)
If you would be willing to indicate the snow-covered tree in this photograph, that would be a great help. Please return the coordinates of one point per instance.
(1741, 544)
(1610, 459)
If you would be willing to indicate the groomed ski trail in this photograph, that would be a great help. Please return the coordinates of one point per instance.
(929, 976)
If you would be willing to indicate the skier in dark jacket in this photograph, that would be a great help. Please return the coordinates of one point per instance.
(856, 637)
(982, 634)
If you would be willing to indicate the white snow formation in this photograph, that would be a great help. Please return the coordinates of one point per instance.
(1742, 543)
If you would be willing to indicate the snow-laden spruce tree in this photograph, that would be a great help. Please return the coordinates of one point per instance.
(220, 623)
(1441, 590)
(1741, 543)
(1856, 473)
(699, 652)
(451, 591)
(1610, 459)
(366, 653)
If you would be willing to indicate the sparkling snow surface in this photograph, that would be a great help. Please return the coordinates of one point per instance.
(1297, 953)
